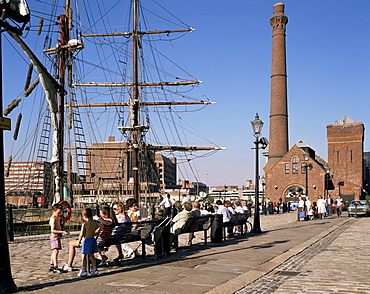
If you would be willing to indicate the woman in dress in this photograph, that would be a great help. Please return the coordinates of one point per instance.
(321, 207)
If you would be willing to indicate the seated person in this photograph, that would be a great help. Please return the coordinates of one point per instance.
(180, 219)
(121, 229)
(106, 221)
(194, 213)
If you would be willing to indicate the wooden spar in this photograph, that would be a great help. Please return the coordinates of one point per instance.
(139, 33)
(151, 148)
(142, 104)
(134, 102)
(73, 47)
(153, 84)
(62, 57)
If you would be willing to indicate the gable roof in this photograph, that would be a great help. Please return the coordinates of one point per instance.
(345, 120)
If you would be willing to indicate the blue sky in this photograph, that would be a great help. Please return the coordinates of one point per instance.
(328, 64)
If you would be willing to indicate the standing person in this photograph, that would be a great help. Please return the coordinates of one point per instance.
(309, 209)
(339, 203)
(226, 216)
(167, 204)
(329, 203)
(300, 207)
(238, 207)
(321, 209)
(56, 232)
(89, 245)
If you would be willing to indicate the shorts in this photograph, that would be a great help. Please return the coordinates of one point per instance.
(55, 241)
(89, 246)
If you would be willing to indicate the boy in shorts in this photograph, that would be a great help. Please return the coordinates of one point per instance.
(56, 233)
(89, 245)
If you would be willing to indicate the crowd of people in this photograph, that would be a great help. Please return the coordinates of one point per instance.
(321, 208)
(107, 228)
(97, 232)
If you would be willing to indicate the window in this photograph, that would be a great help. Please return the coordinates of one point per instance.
(351, 155)
(295, 165)
(287, 168)
(304, 168)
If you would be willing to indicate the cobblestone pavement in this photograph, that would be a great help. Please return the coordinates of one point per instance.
(337, 263)
(219, 268)
(30, 256)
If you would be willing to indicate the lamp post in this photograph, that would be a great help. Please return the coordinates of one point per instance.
(327, 178)
(307, 167)
(257, 125)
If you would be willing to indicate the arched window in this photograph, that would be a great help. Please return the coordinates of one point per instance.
(295, 165)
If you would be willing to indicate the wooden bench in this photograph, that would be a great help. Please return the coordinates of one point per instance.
(126, 234)
(237, 219)
(192, 225)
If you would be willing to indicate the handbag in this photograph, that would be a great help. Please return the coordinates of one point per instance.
(301, 214)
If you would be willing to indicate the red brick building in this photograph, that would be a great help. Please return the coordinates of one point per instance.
(288, 179)
(345, 156)
(342, 175)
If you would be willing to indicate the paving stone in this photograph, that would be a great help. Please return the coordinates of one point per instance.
(325, 262)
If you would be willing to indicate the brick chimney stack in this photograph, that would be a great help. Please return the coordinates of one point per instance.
(278, 145)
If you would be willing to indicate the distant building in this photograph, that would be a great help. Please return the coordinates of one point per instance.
(28, 183)
(111, 174)
(367, 172)
(233, 192)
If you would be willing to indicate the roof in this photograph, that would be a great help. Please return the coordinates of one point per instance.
(345, 120)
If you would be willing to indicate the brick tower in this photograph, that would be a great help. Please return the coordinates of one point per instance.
(278, 101)
(345, 155)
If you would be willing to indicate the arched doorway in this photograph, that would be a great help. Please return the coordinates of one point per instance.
(293, 191)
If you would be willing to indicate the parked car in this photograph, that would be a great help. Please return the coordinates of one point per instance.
(358, 207)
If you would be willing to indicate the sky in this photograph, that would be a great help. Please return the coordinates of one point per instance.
(328, 68)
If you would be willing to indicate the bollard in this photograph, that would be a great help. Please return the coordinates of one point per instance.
(10, 223)
(216, 229)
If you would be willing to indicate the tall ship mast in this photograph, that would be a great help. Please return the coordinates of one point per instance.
(112, 83)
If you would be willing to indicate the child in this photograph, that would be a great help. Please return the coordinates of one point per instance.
(105, 222)
(89, 245)
(133, 212)
(56, 233)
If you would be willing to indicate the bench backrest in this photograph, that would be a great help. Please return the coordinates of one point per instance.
(239, 218)
(196, 223)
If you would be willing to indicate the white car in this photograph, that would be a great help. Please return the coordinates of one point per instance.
(358, 207)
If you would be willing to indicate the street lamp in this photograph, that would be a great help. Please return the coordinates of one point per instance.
(306, 156)
(257, 125)
(327, 178)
